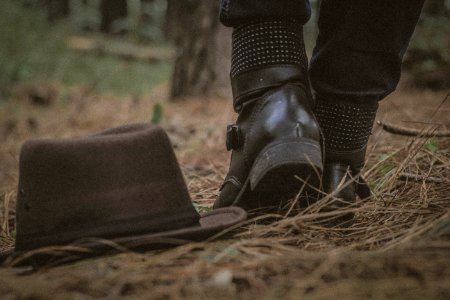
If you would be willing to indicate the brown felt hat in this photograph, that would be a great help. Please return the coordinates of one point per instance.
(122, 185)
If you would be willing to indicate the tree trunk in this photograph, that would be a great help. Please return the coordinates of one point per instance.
(170, 20)
(112, 10)
(57, 9)
(436, 8)
(202, 63)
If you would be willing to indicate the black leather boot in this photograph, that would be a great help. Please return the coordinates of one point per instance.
(276, 136)
(346, 127)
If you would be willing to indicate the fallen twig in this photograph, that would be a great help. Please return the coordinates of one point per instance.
(421, 178)
(395, 129)
(124, 50)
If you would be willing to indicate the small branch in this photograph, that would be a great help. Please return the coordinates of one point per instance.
(121, 49)
(395, 129)
(421, 178)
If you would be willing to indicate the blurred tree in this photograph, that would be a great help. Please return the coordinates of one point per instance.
(428, 57)
(203, 48)
(111, 11)
(57, 9)
(152, 20)
(170, 24)
(436, 7)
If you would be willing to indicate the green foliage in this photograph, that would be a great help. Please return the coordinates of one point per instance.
(21, 38)
(31, 49)
(145, 21)
(85, 16)
(152, 20)
(157, 114)
(387, 163)
(430, 43)
(432, 145)
(201, 208)
(428, 55)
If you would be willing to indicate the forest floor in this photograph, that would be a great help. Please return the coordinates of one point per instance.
(397, 248)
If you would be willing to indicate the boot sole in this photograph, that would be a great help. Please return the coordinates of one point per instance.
(280, 171)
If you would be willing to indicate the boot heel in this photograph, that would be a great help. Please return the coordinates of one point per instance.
(300, 156)
(273, 174)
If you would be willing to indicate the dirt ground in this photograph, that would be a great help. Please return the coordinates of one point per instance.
(397, 248)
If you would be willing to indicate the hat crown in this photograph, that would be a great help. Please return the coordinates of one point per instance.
(119, 181)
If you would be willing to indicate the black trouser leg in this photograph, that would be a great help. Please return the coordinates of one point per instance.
(356, 62)
(360, 47)
(237, 12)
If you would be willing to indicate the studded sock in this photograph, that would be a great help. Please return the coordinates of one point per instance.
(262, 43)
(346, 127)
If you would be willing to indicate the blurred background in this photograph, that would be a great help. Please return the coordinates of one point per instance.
(127, 47)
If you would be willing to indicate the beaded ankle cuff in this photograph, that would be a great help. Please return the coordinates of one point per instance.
(346, 126)
(263, 43)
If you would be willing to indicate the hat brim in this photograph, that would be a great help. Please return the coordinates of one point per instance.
(210, 223)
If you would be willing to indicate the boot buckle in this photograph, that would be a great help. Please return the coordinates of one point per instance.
(233, 137)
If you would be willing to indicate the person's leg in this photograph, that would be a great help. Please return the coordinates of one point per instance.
(356, 63)
(238, 12)
(276, 135)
